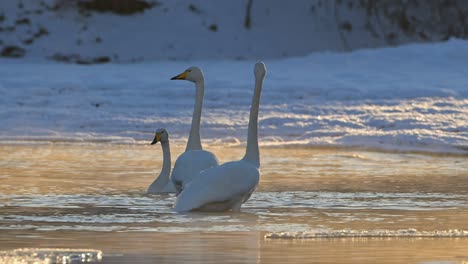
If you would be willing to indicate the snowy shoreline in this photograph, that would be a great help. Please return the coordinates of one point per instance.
(409, 98)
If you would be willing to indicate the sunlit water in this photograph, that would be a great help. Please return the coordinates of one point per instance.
(87, 202)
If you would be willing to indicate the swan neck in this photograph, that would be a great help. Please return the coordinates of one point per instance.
(166, 168)
(163, 179)
(194, 142)
(252, 153)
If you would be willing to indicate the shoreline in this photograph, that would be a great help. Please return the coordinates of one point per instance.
(452, 152)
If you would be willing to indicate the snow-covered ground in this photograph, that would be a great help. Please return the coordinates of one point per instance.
(198, 29)
(412, 97)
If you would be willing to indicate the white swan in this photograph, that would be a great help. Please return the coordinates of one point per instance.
(162, 183)
(194, 159)
(228, 186)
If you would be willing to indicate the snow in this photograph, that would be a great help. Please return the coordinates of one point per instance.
(408, 98)
(183, 30)
(171, 30)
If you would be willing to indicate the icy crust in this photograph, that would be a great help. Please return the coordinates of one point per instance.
(348, 233)
(50, 256)
(409, 98)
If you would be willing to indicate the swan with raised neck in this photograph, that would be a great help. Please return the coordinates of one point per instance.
(194, 159)
(228, 186)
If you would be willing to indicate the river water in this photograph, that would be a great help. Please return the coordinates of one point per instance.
(86, 202)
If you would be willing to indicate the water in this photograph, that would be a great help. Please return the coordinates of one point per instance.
(85, 202)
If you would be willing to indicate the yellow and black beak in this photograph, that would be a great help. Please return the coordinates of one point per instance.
(156, 139)
(181, 76)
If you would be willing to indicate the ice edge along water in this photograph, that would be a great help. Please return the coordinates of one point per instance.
(349, 233)
(408, 98)
(50, 255)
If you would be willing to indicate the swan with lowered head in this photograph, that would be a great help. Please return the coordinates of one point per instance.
(228, 186)
(194, 159)
(162, 184)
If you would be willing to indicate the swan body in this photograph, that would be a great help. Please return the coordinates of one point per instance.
(220, 188)
(194, 159)
(191, 163)
(162, 184)
(228, 186)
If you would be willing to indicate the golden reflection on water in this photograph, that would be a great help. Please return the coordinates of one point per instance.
(107, 169)
(250, 247)
(61, 168)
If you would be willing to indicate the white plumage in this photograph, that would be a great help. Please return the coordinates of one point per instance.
(189, 164)
(228, 186)
(220, 188)
(162, 184)
(194, 159)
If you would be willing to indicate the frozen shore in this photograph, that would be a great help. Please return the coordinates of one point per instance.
(412, 97)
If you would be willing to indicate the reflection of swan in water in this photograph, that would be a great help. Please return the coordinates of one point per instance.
(162, 183)
(228, 186)
(194, 159)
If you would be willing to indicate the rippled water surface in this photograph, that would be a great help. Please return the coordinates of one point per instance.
(319, 205)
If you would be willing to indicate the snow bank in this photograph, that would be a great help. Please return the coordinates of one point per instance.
(65, 30)
(407, 98)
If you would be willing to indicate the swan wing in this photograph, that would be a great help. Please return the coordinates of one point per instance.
(220, 188)
(191, 163)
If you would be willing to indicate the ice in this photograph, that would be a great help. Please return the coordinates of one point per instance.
(349, 233)
(50, 255)
(408, 98)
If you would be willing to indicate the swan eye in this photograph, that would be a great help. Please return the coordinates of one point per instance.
(189, 70)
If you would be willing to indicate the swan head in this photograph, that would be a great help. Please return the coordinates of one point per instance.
(193, 74)
(260, 70)
(161, 135)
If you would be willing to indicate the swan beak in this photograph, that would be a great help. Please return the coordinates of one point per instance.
(181, 76)
(156, 139)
